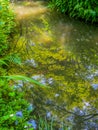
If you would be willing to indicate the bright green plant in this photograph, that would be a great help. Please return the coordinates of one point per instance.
(11, 101)
(87, 10)
(6, 25)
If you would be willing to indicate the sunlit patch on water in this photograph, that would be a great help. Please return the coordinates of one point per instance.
(29, 9)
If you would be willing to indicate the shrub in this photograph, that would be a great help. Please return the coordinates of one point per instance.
(87, 10)
(12, 107)
(6, 25)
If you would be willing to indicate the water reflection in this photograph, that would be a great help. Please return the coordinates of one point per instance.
(63, 54)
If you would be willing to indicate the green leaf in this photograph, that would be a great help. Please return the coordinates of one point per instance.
(12, 94)
(2, 62)
(0, 7)
(19, 77)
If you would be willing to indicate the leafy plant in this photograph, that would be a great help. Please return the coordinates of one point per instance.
(6, 25)
(11, 100)
(20, 77)
(87, 10)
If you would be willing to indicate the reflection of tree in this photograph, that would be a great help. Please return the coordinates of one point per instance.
(68, 74)
(63, 67)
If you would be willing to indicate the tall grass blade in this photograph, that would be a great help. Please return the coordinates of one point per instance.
(19, 77)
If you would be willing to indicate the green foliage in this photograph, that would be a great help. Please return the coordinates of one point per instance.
(11, 101)
(19, 77)
(6, 25)
(87, 10)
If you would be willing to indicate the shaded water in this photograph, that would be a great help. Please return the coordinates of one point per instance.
(61, 53)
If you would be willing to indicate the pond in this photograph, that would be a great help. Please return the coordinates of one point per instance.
(61, 53)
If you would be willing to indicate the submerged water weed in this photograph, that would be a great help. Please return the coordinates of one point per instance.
(51, 124)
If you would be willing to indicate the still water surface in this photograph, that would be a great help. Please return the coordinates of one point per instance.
(61, 53)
